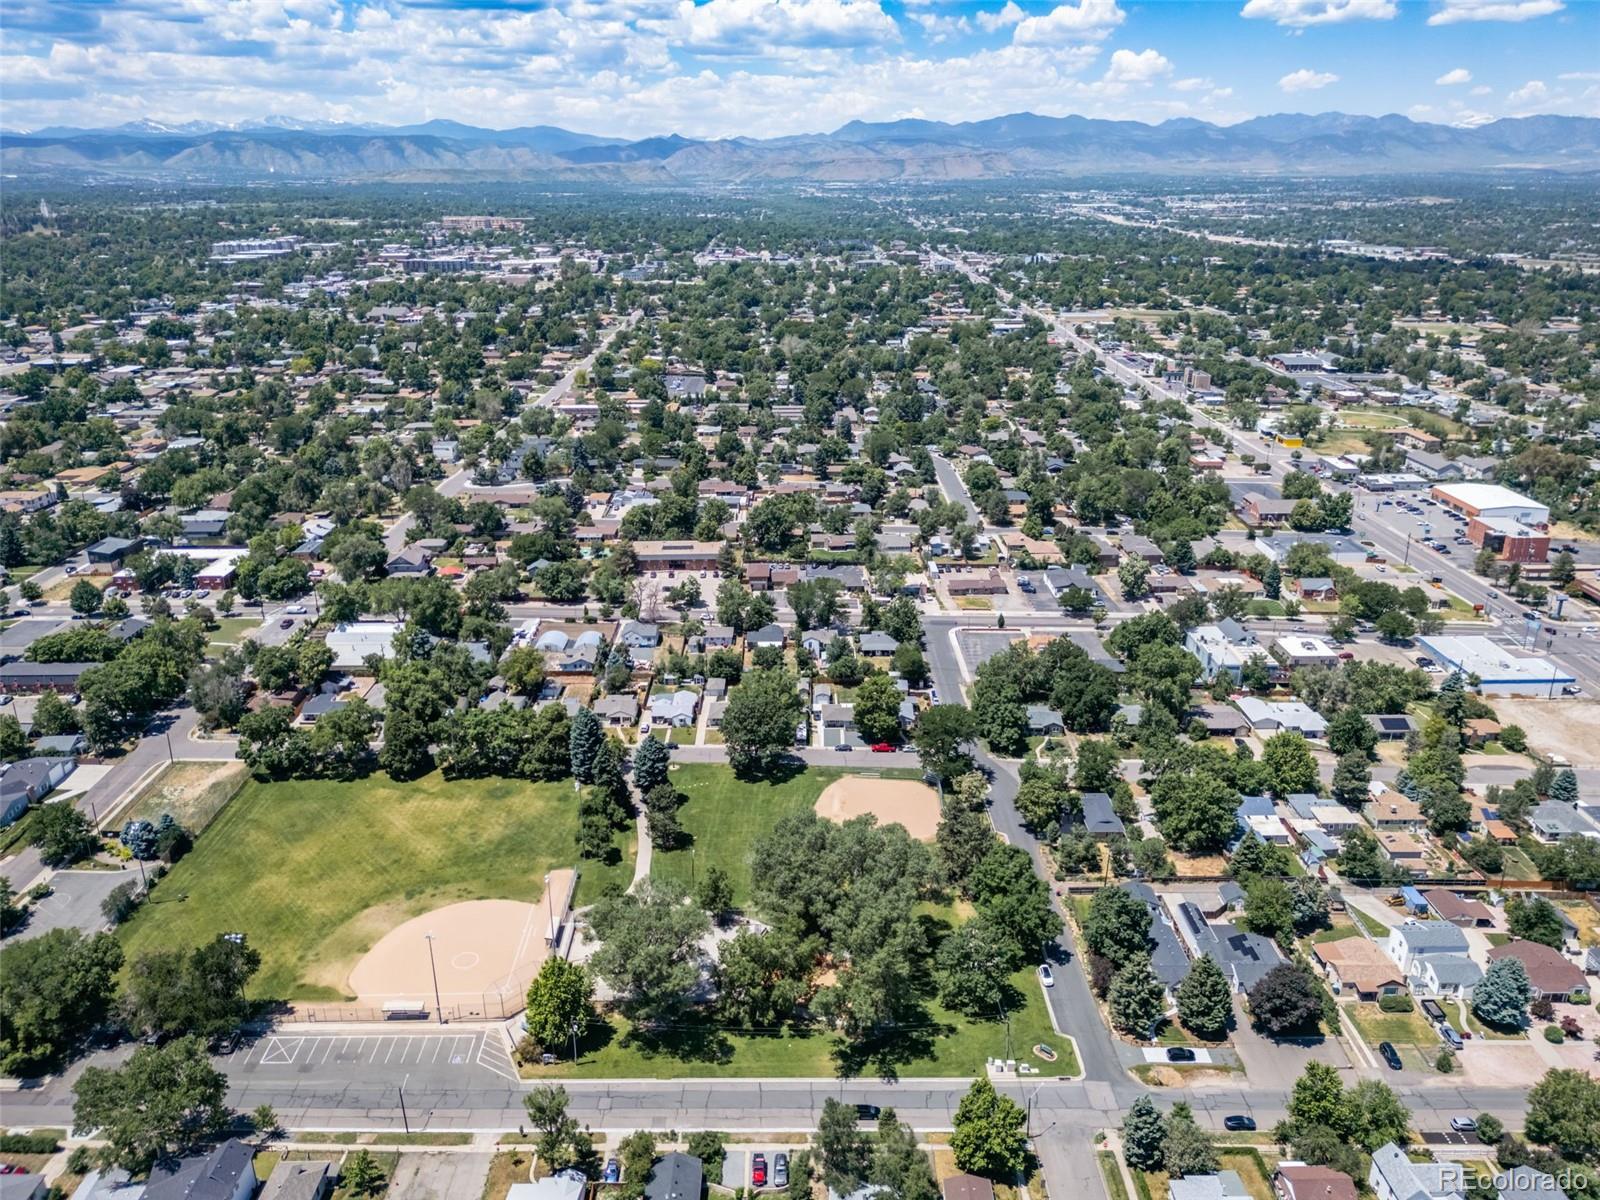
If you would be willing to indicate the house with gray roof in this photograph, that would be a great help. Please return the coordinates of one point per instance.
(878, 644)
(1042, 719)
(224, 1173)
(1100, 817)
(1411, 940)
(1224, 1185)
(1453, 975)
(1168, 960)
(675, 1176)
(619, 712)
(677, 709)
(1395, 1177)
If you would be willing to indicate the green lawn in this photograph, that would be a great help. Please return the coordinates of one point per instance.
(948, 1044)
(1372, 925)
(1336, 933)
(230, 631)
(314, 872)
(725, 815)
(1408, 1029)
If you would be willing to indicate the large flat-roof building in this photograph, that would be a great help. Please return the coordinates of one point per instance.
(1497, 668)
(1492, 501)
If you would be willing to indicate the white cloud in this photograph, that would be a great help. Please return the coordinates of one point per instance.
(1452, 12)
(1452, 78)
(941, 28)
(759, 26)
(1000, 18)
(1298, 14)
(1483, 89)
(1193, 84)
(1579, 76)
(1069, 22)
(1306, 80)
(1531, 92)
(1143, 67)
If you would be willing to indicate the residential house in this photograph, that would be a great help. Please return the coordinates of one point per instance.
(985, 584)
(619, 712)
(28, 781)
(1223, 647)
(677, 709)
(876, 644)
(563, 1185)
(22, 1184)
(1449, 906)
(1551, 821)
(675, 1176)
(1044, 720)
(1315, 587)
(354, 642)
(639, 635)
(1244, 957)
(1395, 1177)
(1300, 1181)
(1391, 727)
(1525, 1183)
(1100, 817)
(310, 1180)
(1411, 940)
(1220, 720)
(767, 635)
(1554, 976)
(1402, 849)
(1168, 959)
(1298, 650)
(1450, 975)
(413, 560)
(718, 637)
(1224, 1185)
(224, 1173)
(1391, 811)
(26, 678)
(966, 1187)
(1359, 966)
(1258, 509)
(1272, 716)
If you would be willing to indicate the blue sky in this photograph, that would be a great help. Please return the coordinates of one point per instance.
(772, 67)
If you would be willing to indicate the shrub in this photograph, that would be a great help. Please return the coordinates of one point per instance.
(1445, 1063)
(1490, 1129)
(1397, 1004)
(28, 1143)
(1553, 1035)
(707, 1146)
(1543, 1009)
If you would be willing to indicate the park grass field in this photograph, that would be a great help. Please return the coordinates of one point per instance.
(313, 873)
(725, 816)
(947, 1045)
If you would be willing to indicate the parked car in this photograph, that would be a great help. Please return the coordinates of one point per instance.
(1180, 1054)
(882, 748)
(758, 1170)
(613, 1172)
(1390, 1055)
(1239, 1124)
(1464, 1124)
(780, 1170)
(1046, 976)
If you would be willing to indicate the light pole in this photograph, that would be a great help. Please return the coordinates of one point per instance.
(404, 1118)
(438, 1005)
(574, 1041)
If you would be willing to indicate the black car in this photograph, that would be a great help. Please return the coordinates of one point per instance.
(1239, 1124)
(1179, 1054)
(868, 1112)
(1390, 1055)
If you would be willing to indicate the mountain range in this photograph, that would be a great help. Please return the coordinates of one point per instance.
(1021, 145)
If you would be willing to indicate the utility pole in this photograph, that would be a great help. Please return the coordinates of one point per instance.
(438, 1006)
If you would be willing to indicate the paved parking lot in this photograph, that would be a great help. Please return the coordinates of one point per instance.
(74, 903)
(422, 1053)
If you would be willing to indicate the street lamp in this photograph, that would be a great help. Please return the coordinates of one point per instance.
(574, 1041)
(438, 1005)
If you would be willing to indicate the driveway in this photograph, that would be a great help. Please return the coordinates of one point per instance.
(1277, 1064)
(439, 1176)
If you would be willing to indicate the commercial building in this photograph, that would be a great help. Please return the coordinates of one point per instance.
(677, 556)
(1492, 501)
(1497, 669)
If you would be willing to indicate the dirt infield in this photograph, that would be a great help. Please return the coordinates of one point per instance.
(481, 948)
(893, 801)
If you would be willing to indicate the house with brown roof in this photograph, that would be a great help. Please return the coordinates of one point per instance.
(1356, 965)
(1552, 974)
(1299, 1181)
(1392, 811)
(1457, 909)
(967, 1187)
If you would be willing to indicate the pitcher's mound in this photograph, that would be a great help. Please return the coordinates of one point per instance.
(480, 948)
(902, 802)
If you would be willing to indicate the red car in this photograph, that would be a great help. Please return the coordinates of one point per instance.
(758, 1170)
(883, 748)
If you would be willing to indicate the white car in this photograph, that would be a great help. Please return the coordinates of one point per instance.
(296, 610)
(1463, 1124)
(1046, 976)
(1591, 630)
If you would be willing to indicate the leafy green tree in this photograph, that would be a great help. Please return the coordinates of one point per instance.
(1360, 860)
(164, 1101)
(759, 723)
(989, 1138)
(1534, 919)
(650, 948)
(1318, 1099)
(1188, 1150)
(1144, 1136)
(13, 742)
(182, 991)
(62, 834)
(1117, 926)
(943, 736)
(1376, 1115)
(1289, 764)
(560, 996)
(844, 1150)
(586, 736)
(84, 598)
(1502, 996)
(1268, 908)
(1564, 786)
(1196, 813)
(762, 978)
(360, 1174)
(1136, 999)
(650, 762)
(877, 709)
(973, 965)
(1564, 1114)
(561, 1142)
(713, 892)
(53, 989)
(1205, 1001)
(898, 1164)
(1285, 1000)
(1133, 577)
(1351, 775)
